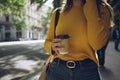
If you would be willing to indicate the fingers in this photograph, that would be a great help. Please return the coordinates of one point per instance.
(57, 52)
(56, 45)
(56, 40)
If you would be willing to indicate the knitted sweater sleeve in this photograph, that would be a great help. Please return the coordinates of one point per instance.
(97, 27)
(50, 34)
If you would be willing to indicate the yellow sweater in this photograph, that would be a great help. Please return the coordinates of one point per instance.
(88, 32)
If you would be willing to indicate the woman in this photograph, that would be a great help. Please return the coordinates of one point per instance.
(87, 24)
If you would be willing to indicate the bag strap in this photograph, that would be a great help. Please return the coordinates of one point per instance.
(56, 20)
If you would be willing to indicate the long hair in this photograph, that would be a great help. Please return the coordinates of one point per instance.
(69, 5)
(103, 2)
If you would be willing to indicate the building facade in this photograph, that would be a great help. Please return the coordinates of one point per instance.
(8, 32)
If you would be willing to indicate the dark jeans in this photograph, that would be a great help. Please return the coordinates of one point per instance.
(101, 57)
(116, 44)
(83, 70)
(101, 54)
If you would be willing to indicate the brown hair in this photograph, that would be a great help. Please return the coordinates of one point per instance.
(69, 4)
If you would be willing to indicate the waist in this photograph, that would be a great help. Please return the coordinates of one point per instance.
(73, 64)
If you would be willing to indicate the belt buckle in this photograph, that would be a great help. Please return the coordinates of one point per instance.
(70, 64)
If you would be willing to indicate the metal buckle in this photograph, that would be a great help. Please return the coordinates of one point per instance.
(70, 64)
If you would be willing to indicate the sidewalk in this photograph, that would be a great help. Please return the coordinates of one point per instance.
(24, 61)
(110, 71)
(112, 64)
(19, 42)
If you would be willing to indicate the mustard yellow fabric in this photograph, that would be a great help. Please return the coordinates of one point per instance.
(87, 30)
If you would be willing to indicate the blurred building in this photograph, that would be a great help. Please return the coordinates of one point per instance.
(9, 33)
(33, 17)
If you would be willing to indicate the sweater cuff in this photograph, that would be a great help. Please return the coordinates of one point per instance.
(50, 49)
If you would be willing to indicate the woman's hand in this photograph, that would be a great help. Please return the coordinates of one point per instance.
(56, 45)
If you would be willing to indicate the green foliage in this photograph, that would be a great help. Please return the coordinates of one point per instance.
(39, 2)
(21, 22)
(46, 17)
(45, 20)
(11, 6)
(57, 3)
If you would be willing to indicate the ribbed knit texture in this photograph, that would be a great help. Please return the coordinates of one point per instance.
(88, 32)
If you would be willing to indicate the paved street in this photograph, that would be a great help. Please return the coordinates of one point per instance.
(23, 61)
(112, 65)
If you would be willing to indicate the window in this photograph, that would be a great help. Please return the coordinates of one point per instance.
(7, 18)
(7, 27)
(18, 28)
(1, 27)
(7, 36)
(18, 35)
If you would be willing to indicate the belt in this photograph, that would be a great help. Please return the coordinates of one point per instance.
(72, 64)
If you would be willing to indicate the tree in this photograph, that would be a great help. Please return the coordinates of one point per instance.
(45, 20)
(12, 6)
(21, 22)
(39, 2)
(57, 3)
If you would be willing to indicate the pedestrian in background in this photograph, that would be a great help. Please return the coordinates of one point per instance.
(86, 22)
(101, 54)
(116, 35)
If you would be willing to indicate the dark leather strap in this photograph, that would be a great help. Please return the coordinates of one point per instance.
(56, 20)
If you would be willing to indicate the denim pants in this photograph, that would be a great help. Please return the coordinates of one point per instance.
(83, 70)
(116, 43)
(101, 54)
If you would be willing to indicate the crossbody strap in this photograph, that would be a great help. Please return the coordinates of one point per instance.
(56, 20)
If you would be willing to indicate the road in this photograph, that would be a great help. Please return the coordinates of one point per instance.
(111, 71)
(23, 61)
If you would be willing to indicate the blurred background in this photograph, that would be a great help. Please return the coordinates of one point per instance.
(23, 27)
(29, 19)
